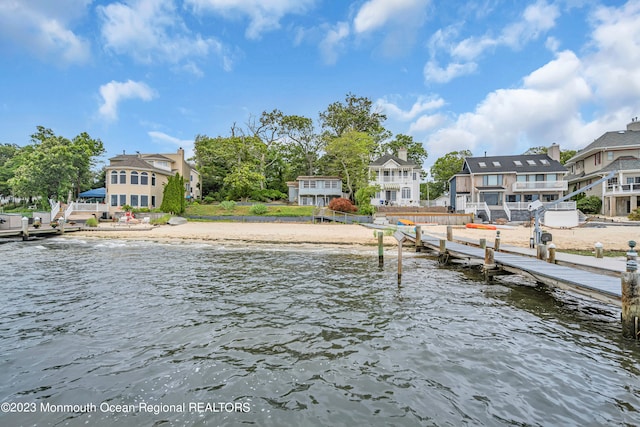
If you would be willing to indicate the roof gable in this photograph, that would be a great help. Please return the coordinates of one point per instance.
(383, 160)
(616, 139)
(524, 163)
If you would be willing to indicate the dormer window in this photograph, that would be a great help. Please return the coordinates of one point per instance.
(545, 162)
(496, 164)
(517, 162)
(482, 164)
(531, 162)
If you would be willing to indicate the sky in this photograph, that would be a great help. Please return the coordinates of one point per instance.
(489, 76)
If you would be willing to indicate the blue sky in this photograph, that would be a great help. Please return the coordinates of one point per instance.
(490, 75)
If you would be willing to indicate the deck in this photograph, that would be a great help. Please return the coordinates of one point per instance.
(596, 283)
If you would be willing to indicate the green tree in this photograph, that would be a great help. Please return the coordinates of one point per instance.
(242, 180)
(356, 114)
(53, 165)
(444, 168)
(349, 156)
(173, 200)
(363, 198)
(8, 153)
(415, 150)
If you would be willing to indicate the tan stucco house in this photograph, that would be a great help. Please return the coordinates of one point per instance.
(138, 179)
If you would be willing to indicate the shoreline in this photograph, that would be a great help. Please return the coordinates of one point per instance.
(350, 235)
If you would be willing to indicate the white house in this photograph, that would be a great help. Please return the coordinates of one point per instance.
(314, 190)
(398, 179)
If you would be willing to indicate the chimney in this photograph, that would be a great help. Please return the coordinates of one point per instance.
(634, 125)
(402, 153)
(181, 152)
(554, 152)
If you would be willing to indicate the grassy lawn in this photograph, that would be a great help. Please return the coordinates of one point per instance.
(593, 254)
(272, 210)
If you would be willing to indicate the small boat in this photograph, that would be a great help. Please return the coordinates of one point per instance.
(405, 222)
(481, 226)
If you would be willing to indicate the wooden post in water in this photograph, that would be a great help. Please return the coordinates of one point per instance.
(552, 254)
(400, 238)
(25, 228)
(61, 222)
(542, 251)
(483, 243)
(449, 233)
(489, 264)
(418, 238)
(443, 246)
(599, 250)
(630, 315)
(496, 244)
(380, 249)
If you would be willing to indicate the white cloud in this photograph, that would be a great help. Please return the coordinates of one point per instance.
(163, 139)
(545, 109)
(334, 41)
(434, 73)
(263, 15)
(426, 123)
(421, 105)
(536, 19)
(152, 31)
(42, 27)
(375, 14)
(114, 92)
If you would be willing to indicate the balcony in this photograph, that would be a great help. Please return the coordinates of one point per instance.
(519, 187)
(622, 190)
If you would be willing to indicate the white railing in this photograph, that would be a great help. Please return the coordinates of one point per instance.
(540, 185)
(523, 206)
(89, 207)
(472, 207)
(507, 211)
(55, 208)
(623, 189)
(68, 211)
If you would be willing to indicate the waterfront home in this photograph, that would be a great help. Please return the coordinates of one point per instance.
(314, 190)
(398, 179)
(500, 186)
(138, 179)
(613, 151)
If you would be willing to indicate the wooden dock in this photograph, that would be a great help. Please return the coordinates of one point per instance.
(601, 286)
(38, 232)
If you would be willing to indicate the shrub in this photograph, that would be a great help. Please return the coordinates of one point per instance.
(162, 220)
(91, 222)
(228, 205)
(268, 195)
(589, 205)
(258, 209)
(634, 215)
(208, 199)
(341, 204)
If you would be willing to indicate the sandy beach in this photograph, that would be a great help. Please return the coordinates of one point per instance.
(613, 237)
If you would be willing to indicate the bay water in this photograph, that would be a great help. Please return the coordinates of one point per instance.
(118, 332)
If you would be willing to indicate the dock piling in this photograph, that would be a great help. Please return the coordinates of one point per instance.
(630, 314)
(552, 254)
(449, 233)
(418, 238)
(542, 251)
(483, 243)
(25, 228)
(599, 250)
(380, 249)
(496, 244)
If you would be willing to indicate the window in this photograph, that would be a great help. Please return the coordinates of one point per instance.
(545, 162)
(517, 162)
(415, 177)
(405, 174)
(609, 155)
(123, 177)
(114, 177)
(134, 200)
(153, 201)
(496, 164)
(406, 193)
(492, 180)
(312, 184)
(521, 178)
(134, 177)
(123, 199)
(327, 184)
(114, 200)
(482, 164)
(531, 162)
(153, 179)
(550, 177)
(144, 178)
(144, 201)
(334, 184)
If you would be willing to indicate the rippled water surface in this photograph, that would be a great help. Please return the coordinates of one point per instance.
(297, 336)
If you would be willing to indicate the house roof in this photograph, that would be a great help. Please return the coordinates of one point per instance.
(380, 161)
(609, 140)
(622, 163)
(132, 161)
(318, 177)
(523, 163)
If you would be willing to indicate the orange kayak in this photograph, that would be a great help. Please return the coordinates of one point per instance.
(481, 226)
